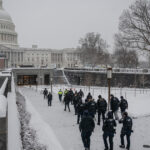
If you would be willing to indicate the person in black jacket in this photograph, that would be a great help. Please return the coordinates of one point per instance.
(126, 130)
(89, 96)
(49, 97)
(80, 110)
(81, 93)
(67, 100)
(86, 128)
(76, 99)
(71, 94)
(109, 130)
(114, 104)
(91, 106)
(123, 105)
(101, 107)
(45, 92)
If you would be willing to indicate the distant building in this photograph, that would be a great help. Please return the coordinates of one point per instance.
(17, 56)
(2, 61)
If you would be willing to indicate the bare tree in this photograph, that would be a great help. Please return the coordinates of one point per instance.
(93, 49)
(135, 25)
(124, 56)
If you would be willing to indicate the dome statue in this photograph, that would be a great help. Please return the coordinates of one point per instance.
(8, 36)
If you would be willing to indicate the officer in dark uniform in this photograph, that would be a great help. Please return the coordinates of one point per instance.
(109, 130)
(67, 100)
(76, 99)
(86, 128)
(49, 98)
(80, 110)
(101, 107)
(123, 105)
(45, 92)
(70, 92)
(92, 107)
(114, 103)
(126, 130)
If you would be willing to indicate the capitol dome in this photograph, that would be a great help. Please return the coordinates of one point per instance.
(8, 36)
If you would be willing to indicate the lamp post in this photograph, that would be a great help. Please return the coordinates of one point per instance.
(109, 76)
(51, 79)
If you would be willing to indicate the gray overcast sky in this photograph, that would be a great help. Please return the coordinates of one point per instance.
(61, 23)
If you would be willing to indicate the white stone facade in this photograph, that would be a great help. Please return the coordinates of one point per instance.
(16, 56)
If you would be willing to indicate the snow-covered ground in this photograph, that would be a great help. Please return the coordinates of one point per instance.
(64, 124)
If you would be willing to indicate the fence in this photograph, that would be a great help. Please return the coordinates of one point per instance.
(14, 138)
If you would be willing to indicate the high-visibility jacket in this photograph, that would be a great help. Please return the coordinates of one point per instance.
(60, 93)
(65, 92)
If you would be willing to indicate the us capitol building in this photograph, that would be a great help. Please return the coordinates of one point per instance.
(16, 56)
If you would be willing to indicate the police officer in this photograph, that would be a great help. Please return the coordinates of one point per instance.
(109, 130)
(49, 97)
(126, 130)
(80, 110)
(92, 107)
(123, 105)
(86, 128)
(76, 99)
(60, 93)
(67, 100)
(101, 107)
(81, 93)
(89, 96)
(70, 92)
(114, 103)
(45, 92)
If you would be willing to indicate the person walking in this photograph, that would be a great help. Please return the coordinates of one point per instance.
(123, 105)
(67, 100)
(101, 108)
(86, 128)
(60, 93)
(45, 92)
(126, 130)
(114, 104)
(109, 130)
(49, 97)
(80, 110)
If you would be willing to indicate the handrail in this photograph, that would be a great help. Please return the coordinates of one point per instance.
(14, 138)
(3, 87)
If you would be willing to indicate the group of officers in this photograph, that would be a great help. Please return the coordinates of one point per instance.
(87, 110)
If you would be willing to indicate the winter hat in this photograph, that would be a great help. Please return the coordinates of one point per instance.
(99, 96)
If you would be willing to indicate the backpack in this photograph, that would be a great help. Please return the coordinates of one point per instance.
(115, 102)
(129, 123)
(124, 103)
(109, 125)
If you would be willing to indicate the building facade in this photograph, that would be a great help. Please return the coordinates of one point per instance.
(17, 56)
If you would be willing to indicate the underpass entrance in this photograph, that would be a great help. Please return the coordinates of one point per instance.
(26, 79)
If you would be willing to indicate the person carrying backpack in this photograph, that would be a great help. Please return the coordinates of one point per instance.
(126, 130)
(86, 128)
(109, 130)
(101, 107)
(123, 105)
(114, 104)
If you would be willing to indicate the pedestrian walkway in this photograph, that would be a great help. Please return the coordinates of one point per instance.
(65, 127)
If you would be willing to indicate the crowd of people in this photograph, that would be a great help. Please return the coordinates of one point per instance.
(87, 110)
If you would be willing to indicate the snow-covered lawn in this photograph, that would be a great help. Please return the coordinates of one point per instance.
(64, 124)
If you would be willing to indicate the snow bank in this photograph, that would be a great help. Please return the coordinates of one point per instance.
(3, 106)
(14, 139)
(44, 132)
(2, 89)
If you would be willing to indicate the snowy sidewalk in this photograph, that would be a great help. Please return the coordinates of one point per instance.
(67, 131)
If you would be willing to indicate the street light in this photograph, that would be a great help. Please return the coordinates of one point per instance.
(109, 76)
(51, 79)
